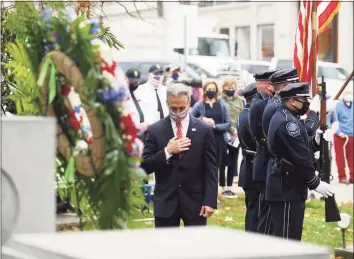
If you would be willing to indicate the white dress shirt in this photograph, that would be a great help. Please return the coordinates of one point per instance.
(185, 125)
(146, 96)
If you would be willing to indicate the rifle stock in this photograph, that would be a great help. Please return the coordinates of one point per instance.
(331, 209)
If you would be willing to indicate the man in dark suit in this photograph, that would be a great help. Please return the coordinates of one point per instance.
(180, 150)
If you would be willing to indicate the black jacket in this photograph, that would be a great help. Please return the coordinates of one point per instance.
(191, 180)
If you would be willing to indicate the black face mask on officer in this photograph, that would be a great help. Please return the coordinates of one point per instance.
(305, 106)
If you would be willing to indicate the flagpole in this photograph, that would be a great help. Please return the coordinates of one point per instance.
(313, 48)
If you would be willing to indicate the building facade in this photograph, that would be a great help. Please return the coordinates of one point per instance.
(262, 30)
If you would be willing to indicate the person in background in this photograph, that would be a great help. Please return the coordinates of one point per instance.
(133, 80)
(235, 106)
(248, 144)
(214, 111)
(344, 133)
(173, 74)
(152, 97)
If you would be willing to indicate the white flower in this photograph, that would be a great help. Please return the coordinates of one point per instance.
(81, 146)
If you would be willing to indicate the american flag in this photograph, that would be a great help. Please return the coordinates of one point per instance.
(326, 10)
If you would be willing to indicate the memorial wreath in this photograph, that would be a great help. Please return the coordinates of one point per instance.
(63, 69)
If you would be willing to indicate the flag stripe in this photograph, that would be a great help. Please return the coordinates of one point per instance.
(326, 10)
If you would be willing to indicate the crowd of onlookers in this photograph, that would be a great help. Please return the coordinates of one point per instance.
(220, 107)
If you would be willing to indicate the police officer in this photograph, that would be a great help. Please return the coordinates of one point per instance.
(248, 145)
(260, 162)
(293, 173)
(279, 80)
(133, 77)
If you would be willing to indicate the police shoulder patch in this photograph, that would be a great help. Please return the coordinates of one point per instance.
(293, 128)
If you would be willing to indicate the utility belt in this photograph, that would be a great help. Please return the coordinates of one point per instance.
(262, 143)
(248, 153)
(287, 169)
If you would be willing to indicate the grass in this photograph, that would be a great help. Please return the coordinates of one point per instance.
(231, 213)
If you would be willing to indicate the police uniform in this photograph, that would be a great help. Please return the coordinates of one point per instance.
(260, 161)
(293, 173)
(248, 146)
(284, 77)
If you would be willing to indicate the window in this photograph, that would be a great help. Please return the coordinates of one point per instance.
(328, 42)
(213, 47)
(225, 31)
(332, 73)
(253, 69)
(284, 64)
(266, 42)
(243, 43)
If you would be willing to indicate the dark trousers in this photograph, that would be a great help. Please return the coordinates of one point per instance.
(288, 218)
(264, 224)
(251, 201)
(229, 160)
(175, 220)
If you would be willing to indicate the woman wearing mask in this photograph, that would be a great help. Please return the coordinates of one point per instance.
(214, 111)
(235, 106)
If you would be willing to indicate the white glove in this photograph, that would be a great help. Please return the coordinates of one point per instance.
(328, 135)
(315, 105)
(318, 136)
(325, 189)
(317, 155)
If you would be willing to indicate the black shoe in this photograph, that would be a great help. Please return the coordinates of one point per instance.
(228, 194)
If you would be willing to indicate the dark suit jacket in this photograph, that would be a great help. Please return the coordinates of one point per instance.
(191, 180)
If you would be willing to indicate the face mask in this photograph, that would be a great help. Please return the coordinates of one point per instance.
(179, 116)
(348, 98)
(304, 109)
(175, 76)
(210, 94)
(154, 80)
(230, 93)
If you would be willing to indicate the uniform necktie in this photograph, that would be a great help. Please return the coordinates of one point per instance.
(159, 106)
(179, 133)
(141, 114)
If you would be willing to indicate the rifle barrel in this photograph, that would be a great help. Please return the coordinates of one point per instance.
(344, 86)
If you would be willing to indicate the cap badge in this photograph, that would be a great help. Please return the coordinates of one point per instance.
(136, 73)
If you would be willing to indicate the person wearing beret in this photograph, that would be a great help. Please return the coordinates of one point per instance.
(293, 173)
(260, 162)
(248, 145)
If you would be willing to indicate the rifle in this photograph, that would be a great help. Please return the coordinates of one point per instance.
(331, 210)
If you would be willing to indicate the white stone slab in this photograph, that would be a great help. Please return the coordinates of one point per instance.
(28, 150)
(209, 242)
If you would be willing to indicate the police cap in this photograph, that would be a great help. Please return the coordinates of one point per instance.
(295, 90)
(133, 75)
(249, 91)
(264, 74)
(284, 76)
(155, 68)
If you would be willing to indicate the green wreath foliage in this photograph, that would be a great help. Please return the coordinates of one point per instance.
(110, 198)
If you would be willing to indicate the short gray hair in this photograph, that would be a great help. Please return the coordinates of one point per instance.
(177, 90)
